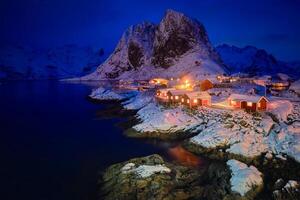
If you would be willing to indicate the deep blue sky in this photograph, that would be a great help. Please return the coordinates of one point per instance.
(270, 24)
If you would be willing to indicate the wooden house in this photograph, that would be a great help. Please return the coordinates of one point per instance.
(248, 102)
(206, 84)
(174, 96)
(194, 99)
(159, 82)
(162, 95)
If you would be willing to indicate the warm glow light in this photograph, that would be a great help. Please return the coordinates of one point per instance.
(188, 101)
(195, 101)
(182, 100)
(171, 97)
(158, 82)
(258, 105)
(233, 103)
(186, 81)
(249, 103)
(176, 97)
(171, 79)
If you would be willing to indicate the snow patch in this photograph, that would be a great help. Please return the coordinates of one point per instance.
(144, 171)
(243, 178)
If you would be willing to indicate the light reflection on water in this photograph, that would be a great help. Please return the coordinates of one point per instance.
(185, 157)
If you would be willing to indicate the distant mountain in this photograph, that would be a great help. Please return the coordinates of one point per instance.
(255, 61)
(23, 63)
(177, 46)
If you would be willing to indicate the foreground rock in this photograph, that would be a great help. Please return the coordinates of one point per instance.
(291, 190)
(152, 178)
(246, 181)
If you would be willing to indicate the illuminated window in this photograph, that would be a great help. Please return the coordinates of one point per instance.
(195, 101)
(258, 105)
(233, 103)
(158, 94)
(188, 101)
(171, 97)
(176, 97)
(249, 103)
(182, 100)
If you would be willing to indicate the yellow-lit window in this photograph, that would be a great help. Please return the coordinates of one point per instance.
(233, 103)
(258, 105)
(188, 101)
(171, 97)
(176, 97)
(195, 101)
(249, 103)
(182, 100)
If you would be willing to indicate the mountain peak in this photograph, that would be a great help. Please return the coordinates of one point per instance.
(177, 45)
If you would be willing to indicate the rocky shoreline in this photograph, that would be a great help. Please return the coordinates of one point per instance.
(152, 121)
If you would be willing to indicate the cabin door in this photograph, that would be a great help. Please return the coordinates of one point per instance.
(244, 105)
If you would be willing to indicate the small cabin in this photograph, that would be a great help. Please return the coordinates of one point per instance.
(195, 99)
(206, 85)
(159, 82)
(175, 96)
(162, 95)
(248, 102)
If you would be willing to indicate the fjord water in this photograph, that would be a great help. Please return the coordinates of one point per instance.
(52, 144)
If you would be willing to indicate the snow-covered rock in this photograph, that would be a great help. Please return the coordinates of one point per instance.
(145, 171)
(295, 87)
(178, 46)
(243, 178)
(156, 119)
(18, 62)
(108, 94)
(281, 108)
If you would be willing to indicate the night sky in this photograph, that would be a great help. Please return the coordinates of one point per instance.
(270, 24)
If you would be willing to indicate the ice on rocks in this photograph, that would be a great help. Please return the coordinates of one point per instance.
(243, 178)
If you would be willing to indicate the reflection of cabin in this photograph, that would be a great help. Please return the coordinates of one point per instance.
(206, 85)
(162, 95)
(194, 99)
(175, 95)
(248, 102)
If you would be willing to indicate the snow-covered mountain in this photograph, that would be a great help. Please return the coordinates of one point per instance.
(255, 61)
(177, 46)
(23, 63)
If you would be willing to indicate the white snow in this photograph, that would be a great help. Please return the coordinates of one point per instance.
(108, 94)
(144, 171)
(156, 119)
(243, 178)
(281, 108)
(291, 184)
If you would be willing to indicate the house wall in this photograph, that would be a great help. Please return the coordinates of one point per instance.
(206, 85)
(263, 104)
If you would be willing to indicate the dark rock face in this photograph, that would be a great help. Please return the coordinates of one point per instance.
(135, 55)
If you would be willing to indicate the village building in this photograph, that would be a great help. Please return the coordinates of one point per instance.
(162, 95)
(206, 84)
(194, 99)
(175, 96)
(248, 102)
(159, 82)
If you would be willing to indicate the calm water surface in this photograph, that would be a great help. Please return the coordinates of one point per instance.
(53, 146)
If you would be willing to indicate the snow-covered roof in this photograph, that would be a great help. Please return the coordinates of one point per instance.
(178, 92)
(198, 94)
(249, 98)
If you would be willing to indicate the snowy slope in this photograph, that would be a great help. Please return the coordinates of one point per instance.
(255, 61)
(67, 61)
(177, 46)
